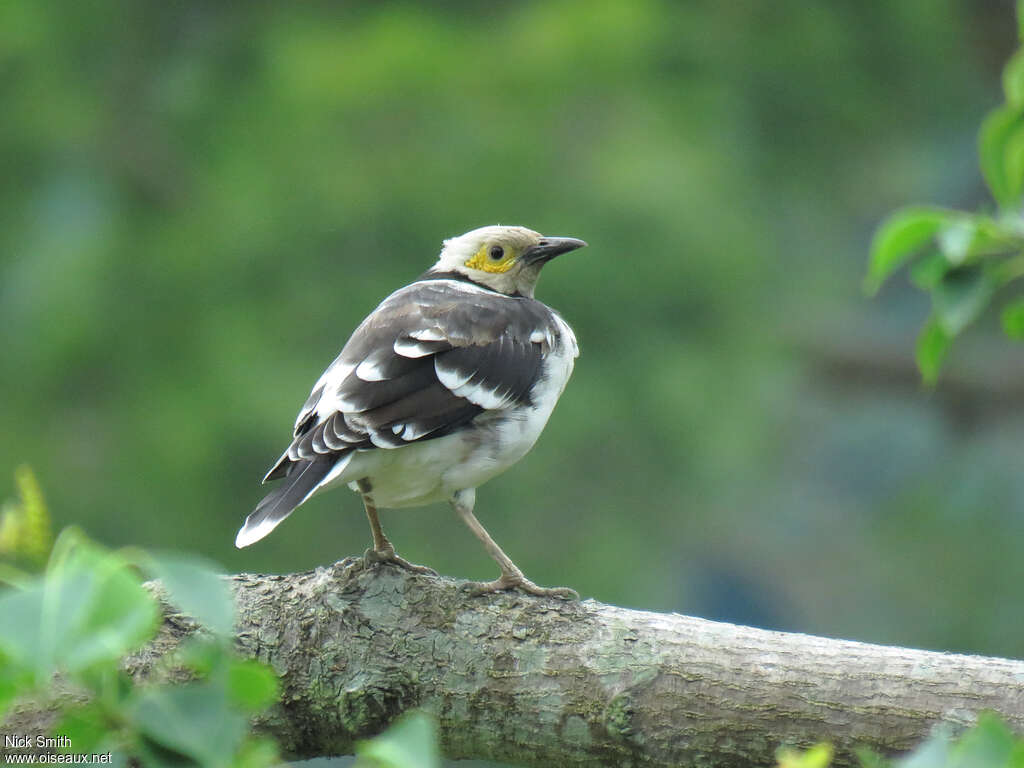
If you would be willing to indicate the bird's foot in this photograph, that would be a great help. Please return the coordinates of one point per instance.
(373, 556)
(520, 582)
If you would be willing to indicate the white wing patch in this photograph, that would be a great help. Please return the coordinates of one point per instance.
(341, 405)
(331, 382)
(412, 348)
(452, 378)
(410, 432)
(370, 370)
(488, 399)
(458, 382)
(419, 342)
(428, 334)
(331, 378)
(332, 440)
(384, 440)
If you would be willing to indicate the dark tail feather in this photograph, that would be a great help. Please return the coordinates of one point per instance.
(302, 480)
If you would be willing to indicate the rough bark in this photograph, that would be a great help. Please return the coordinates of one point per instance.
(534, 681)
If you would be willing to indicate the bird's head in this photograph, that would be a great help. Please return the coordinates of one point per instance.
(505, 259)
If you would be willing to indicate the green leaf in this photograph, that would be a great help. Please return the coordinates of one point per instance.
(1013, 162)
(927, 271)
(101, 611)
(193, 720)
(20, 626)
(818, 756)
(252, 685)
(1013, 319)
(203, 654)
(956, 240)
(14, 681)
(868, 758)
(9, 689)
(258, 753)
(933, 753)
(932, 346)
(1013, 79)
(989, 744)
(88, 609)
(998, 150)
(960, 297)
(13, 577)
(964, 239)
(86, 728)
(898, 238)
(196, 587)
(410, 743)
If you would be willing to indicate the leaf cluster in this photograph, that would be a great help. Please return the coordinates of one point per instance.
(989, 744)
(964, 259)
(87, 611)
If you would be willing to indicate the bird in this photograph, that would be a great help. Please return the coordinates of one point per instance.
(444, 386)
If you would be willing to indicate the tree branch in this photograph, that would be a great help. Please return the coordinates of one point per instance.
(544, 682)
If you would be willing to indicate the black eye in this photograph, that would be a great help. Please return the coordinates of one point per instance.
(496, 252)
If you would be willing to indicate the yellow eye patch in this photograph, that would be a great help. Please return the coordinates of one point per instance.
(482, 260)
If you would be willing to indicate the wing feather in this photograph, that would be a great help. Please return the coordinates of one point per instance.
(431, 358)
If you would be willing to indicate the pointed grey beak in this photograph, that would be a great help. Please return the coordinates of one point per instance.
(549, 247)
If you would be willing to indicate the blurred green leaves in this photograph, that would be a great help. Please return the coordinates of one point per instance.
(1001, 140)
(25, 528)
(818, 756)
(253, 686)
(932, 347)
(964, 259)
(87, 611)
(196, 588)
(1013, 320)
(1001, 148)
(960, 296)
(411, 742)
(961, 259)
(900, 238)
(191, 721)
(989, 744)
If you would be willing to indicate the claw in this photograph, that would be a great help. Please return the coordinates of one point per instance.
(372, 557)
(520, 582)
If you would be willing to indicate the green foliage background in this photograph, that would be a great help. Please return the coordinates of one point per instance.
(200, 201)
